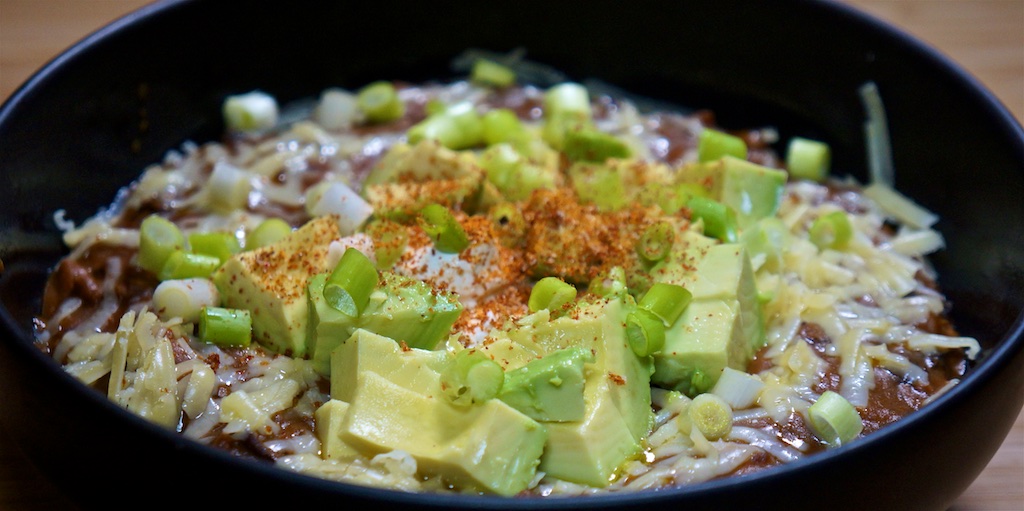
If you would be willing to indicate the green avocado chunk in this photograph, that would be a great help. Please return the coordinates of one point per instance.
(753, 191)
(270, 282)
(401, 308)
(722, 327)
(415, 369)
(617, 413)
(329, 420)
(409, 177)
(490, 446)
(549, 389)
(396, 403)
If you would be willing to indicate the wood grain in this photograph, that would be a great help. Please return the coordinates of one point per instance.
(985, 37)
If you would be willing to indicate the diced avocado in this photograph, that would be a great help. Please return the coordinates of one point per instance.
(722, 327)
(423, 161)
(590, 144)
(270, 282)
(516, 175)
(327, 327)
(510, 354)
(401, 308)
(592, 450)
(410, 311)
(489, 446)
(409, 177)
(753, 191)
(329, 419)
(549, 389)
(414, 369)
(689, 247)
(615, 183)
(617, 400)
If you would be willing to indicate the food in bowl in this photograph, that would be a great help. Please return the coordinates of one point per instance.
(482, 286)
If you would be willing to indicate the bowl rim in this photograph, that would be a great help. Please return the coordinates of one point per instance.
(1011, 342)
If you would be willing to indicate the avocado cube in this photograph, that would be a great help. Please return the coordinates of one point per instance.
(401, 308)
(410, 311)
(753, 191)
(409, 177)
(723, 325)
(549, 389)
(414, 369)
(590, 451)
(617, 398)
(490, 446)
(706, 339)
(329, 420)
(508, 353)
(270, 282)
(327, 327)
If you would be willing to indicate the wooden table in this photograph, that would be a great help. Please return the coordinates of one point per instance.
(986, 37)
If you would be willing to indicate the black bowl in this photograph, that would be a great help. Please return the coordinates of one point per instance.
(88, 122)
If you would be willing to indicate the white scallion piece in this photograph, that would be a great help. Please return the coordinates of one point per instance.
(338, 199)
(184, 298)
(252, 111)
(228, 187)
(738, 388)
(337, 109)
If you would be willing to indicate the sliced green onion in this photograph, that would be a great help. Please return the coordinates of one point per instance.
(666, 301)
(719, 219)
(267, 232)
(390, 239)
(590, 144)
(187, 265)
(379, 102)
(253, 111)
(225, 327)
(808, 159)
(434, 106)
(471, 378)
(712, 416)
(184, 299)
(656, 242)
(349, 286)
(550, 293)
(488, 72)
(443, 229)
(831, 230)
(158, 239)
(221, 245)
(714, 144)
(645, 332)
(834, 419)
(502, 125)
(568, 97)
(457, 127)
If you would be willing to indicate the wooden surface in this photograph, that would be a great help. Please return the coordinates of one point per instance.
(986, 37)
